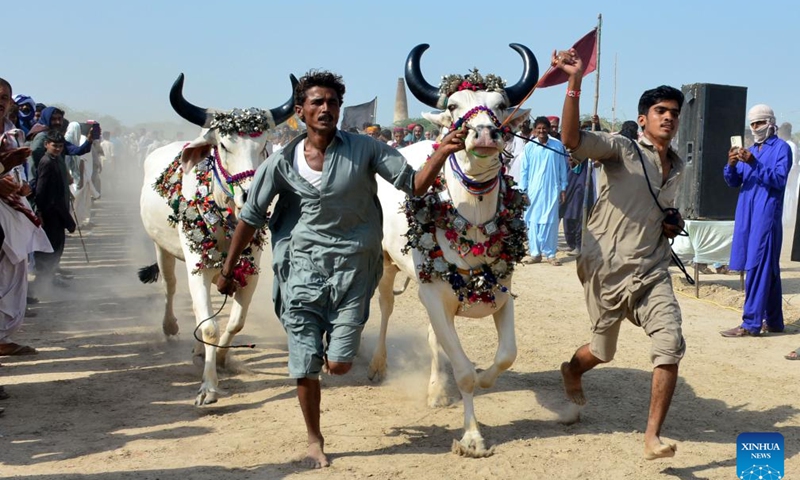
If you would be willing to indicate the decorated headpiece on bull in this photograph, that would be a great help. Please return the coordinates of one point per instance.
(480, 103)
(236, 139)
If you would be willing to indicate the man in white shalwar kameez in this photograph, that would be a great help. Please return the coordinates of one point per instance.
(23, 235)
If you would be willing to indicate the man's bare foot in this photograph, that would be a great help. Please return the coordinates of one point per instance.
(655, 448)
(315, 457)
(572, 385)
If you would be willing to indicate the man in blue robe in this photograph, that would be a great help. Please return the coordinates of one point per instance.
(760, 172)
(543, 176)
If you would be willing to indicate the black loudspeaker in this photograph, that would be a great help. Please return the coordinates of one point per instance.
(710, 116)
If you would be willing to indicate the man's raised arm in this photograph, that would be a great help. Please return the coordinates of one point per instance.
(572, 65)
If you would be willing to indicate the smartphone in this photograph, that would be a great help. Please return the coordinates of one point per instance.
(95, 130)
(736, 141)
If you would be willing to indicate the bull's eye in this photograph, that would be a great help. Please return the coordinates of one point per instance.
(452, 107)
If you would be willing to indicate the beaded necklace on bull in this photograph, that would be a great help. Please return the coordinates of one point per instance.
(506, 231)
(201, 216)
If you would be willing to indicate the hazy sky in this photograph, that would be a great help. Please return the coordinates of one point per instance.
(120, 58)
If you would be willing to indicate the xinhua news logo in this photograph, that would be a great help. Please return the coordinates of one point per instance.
(759, 456)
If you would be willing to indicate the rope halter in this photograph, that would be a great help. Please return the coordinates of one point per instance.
(230, 180)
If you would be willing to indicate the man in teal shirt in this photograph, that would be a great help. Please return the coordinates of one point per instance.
(326, 236)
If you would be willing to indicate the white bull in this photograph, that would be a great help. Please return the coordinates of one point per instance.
(472, 171)
(232, 148)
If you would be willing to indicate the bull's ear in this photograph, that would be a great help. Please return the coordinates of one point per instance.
(443, 119)
(196, 150)
(520, 116)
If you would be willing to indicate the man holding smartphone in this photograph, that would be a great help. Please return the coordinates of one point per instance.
(760, 173)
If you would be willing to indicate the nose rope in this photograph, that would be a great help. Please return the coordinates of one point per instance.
(230, 180)
(463, 121)
(475, 111)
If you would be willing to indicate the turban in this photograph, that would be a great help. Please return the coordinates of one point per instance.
(411, 126)
(373, 129)
(399, 129)
(26, 119)
(762, 113)
(553, 118)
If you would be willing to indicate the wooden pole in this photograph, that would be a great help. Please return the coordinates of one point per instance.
(597, 70)
(614, 99)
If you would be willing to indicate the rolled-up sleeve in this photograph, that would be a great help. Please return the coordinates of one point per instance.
(255, 211)
(393, 167)
(600, 146)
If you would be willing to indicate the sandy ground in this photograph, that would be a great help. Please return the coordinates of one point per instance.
(109, 398)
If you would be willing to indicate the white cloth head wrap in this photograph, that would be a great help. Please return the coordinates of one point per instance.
(761, 113)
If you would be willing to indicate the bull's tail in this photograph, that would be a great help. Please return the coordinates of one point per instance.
(148, 274)
(402, 290)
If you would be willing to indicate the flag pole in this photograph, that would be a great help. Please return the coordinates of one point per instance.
(614, 99)
(589, 163)
(597, 70)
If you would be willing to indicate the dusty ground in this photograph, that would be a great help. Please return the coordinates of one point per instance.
(109, 398)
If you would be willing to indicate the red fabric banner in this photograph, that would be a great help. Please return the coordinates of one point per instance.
(587, 50)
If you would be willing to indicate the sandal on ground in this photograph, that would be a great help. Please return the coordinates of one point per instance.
(795, 355)
(554, 262)
(738, 332)
(15, 349)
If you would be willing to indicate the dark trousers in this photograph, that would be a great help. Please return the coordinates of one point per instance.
(572, 233)
(47, 263)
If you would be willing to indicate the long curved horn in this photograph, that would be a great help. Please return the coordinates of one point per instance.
(530, 75)
(285, 111)
(420, 88)
(192, 113)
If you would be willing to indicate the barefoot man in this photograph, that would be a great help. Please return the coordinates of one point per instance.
(626, 252)
(326, 236)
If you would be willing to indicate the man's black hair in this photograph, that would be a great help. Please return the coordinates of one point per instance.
(542, 121)
(53, 136)
(5, 83)
(40, 107)
(629, 129)
(659, 94)
(318, 78)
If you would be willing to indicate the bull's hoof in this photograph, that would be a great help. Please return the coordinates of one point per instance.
(170, 327)
(472, 449)
(205, 397)
(439, 399)
(376, 373)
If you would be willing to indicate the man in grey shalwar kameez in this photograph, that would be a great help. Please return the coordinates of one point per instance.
(624, 262)
(326, 236)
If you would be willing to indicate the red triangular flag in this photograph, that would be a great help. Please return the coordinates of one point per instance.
(587, 49)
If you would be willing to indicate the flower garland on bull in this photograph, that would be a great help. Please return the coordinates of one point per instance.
(505, 244)
(506, 232)
(200, 216)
